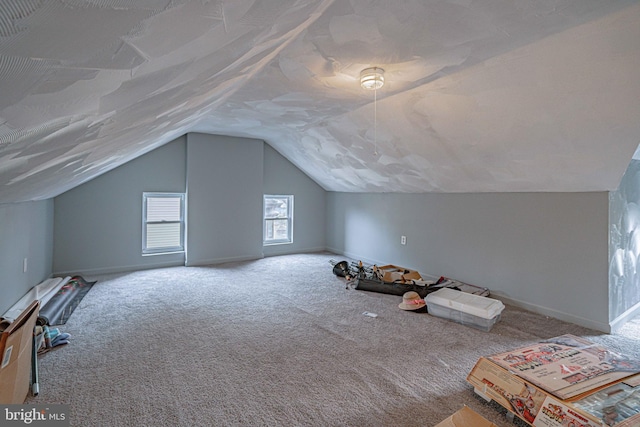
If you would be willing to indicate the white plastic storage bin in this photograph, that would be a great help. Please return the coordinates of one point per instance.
(461, 307)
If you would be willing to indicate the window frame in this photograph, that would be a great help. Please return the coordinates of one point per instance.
(289, 218)
(165, 249)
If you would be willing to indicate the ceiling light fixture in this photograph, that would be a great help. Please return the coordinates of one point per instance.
(373, 79)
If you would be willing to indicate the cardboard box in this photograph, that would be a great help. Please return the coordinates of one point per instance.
(466, 417)
(16, 346)
(530, 386)
(392, 273)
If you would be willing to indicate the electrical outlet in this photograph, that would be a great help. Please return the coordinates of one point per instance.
(403, 240)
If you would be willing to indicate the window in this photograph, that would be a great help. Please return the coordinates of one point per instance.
(163, 223)
(278, 219)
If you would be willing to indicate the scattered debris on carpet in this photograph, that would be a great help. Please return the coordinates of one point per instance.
(396, 280)
(447, 298)
(48, 338)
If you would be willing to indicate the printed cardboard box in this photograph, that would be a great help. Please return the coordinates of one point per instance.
(16, 344)
(598, 387)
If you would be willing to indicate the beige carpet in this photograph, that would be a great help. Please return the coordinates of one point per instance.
(273, 342)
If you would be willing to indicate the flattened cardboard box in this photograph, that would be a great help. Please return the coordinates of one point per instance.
(466, 417)
(541, 408)
(392, 273)
(16, 344)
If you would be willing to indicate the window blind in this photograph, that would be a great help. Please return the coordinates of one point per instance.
(163, 222)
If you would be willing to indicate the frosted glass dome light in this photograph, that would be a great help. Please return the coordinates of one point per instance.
(372, 78)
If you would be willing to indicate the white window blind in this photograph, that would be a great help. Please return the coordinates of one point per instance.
(163, 216)
(278, 219)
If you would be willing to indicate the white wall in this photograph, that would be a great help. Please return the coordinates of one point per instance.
(547, 252)
(26, 231)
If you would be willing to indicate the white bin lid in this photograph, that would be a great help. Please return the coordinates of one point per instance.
(476, 305)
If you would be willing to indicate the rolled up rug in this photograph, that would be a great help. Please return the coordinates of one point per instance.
(64, 302)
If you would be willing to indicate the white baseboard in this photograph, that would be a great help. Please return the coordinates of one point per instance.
(214, 261)
(356, 256)
(577, 320)
(121, 269)
(287, 251)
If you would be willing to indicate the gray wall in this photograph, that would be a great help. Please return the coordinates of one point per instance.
(98, 225)
(624, 250)
(282, 177)
(547, 252)
(26, 231)
(224, 184)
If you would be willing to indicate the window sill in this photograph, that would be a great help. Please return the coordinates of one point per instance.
(275, 243)
(162, 253)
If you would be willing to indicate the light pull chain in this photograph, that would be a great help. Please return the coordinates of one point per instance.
(372, 78)
(375, 121)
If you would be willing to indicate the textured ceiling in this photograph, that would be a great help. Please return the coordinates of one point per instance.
(480, 96)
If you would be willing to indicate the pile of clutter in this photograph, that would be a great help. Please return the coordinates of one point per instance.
(48, 338)
(446, 298)
(395, 280)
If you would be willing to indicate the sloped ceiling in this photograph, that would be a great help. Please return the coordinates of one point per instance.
(480, 96)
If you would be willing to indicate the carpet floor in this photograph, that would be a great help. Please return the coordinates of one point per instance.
(273, 342)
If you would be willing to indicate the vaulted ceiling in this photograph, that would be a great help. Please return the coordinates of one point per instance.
(480, 95)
